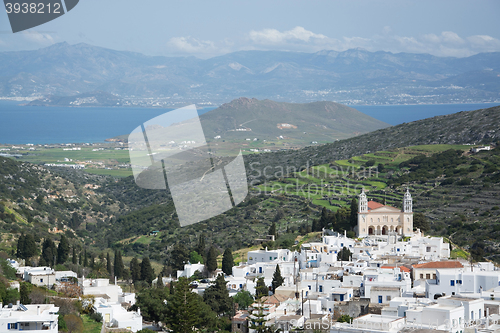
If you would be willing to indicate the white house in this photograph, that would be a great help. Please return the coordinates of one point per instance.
(115, 315)
(33, 318)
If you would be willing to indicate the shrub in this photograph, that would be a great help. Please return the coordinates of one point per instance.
(96, 316)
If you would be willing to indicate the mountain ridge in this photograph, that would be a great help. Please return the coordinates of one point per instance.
(348, 77)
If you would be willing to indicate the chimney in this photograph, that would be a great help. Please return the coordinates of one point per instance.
(115, 280)
(18, 302)
(38, 310)
(139, 311)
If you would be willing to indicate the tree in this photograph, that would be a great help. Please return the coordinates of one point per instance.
(217, 296)
(74, 324)
(258, 321)
(181, 314)
(344, 319)
(201, 247)
(108, 264)
(179, 256)
(24, 293)
(147, 272)
(159, 281)
(118, 264)
(49, 252)
(227, 261)
(85, 259)
(135, 270)
(26, 246)
(63, 250)
(277, 279)
(353, 218)
(420, 222)
(243, 298)
(272, 230)
(194, 258)
(152, 303)
(261, 288)
(344, 254)
(75, 221)
(73, 256)
(212, 259)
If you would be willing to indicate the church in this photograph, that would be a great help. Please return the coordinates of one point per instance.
(377, 219)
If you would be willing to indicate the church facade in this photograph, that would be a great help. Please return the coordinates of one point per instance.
(377, 219)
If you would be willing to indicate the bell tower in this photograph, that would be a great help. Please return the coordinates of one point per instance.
(363, 202)
(407, 202)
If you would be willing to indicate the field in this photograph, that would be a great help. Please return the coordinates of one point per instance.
(332, 185)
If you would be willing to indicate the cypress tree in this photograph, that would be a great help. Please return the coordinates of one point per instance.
(159, 281)
(21, 243)
(119, 267)
(353, 219)
(201, 247)
(108, 265)
(85, 259)
(63, 250)
(227, 261)
(49, 252)
(272, 230)
(179, 256)
(277, 279)
(147, 272)
(135, 270)
(73, 257)
(212, 259)
(261, 288)
(217, 296)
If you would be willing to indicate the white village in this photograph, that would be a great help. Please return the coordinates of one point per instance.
(391, 278)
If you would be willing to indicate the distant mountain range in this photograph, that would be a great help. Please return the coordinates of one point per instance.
(350, 77)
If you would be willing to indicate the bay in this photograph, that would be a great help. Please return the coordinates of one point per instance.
(48, 125)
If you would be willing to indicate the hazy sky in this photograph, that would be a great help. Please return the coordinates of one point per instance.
(208, 28)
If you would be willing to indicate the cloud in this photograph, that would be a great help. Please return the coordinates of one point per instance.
(445, 43)
(273, 36)
(39, 38)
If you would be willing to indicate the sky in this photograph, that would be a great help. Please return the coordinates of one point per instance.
(206, 29)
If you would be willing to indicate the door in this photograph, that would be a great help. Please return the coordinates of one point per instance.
(106, 318)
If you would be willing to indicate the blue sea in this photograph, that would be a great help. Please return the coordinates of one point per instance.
(45, 125)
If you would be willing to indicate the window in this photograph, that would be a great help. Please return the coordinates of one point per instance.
(270, 258)
(434, 276)
(239, 325)
(380, 299)
(320, 289)
(309, 287)
(12, 326)
(472, 315)
(428, 249)
(421, 276)
(452, 283)
(387, 298)
(241, 286)
(41, 280)
(427, 276)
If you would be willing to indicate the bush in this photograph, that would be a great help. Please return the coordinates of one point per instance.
(96, 316)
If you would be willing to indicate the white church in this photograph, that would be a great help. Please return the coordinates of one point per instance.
(377, 219)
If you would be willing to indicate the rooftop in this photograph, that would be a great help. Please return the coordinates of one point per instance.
(440, 264)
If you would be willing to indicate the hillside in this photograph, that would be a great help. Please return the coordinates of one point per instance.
(350, 77)
(467, 127)
(284, 125)
(458, 193)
